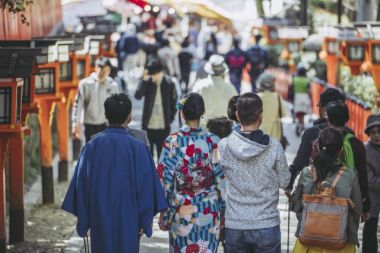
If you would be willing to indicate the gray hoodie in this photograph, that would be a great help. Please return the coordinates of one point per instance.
(254, 174)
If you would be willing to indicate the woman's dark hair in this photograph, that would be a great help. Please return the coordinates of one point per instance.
(186, 42)
(117, 108)
(337, 113)
(193, 107)
(222, 126)
(330, 143)
(231, 110)
(249, 107)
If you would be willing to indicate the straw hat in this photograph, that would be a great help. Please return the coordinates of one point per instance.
(216, 65)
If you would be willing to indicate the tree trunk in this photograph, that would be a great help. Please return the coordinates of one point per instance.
(304, 12)
(378, 11)
(260, 8)
(339, 11)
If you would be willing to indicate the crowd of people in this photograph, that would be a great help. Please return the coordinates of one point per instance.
(217, 178)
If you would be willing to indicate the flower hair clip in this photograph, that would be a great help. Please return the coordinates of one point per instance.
(181, 104)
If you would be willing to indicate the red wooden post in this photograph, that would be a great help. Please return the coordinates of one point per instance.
(3, 235)
(46, 150)
(16, 201)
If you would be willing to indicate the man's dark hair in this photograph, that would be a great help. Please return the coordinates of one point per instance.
(236, 43)
(330, 95)
(102, 62)
(231, 109)
(337, 113)
(222, 126)
(117, 108)
(249, 107)
(154, 66)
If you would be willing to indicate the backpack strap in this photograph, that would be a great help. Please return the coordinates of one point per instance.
(338, 176)
(313, 173)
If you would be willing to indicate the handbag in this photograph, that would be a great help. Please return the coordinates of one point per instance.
(284, 142)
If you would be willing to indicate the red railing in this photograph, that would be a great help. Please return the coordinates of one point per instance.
(359, 111)
(43, 16)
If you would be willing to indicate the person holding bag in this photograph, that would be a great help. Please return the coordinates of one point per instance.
(273, 108)
(327, 170)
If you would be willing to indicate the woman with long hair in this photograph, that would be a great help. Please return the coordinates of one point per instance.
(325, 167)
(193, 183)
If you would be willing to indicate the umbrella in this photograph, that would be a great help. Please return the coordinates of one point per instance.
(313, 43)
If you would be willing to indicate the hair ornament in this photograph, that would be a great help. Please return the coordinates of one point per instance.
(181, 104)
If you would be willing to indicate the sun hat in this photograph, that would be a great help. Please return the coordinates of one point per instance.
(373, 120)
(216, 65)
(266, 81)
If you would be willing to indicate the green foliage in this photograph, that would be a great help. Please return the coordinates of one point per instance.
(361, 86)
(328, 5)
(16, 6)
(32, 161)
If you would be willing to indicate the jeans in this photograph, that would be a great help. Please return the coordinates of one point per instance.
(265, 240)
(370, 236)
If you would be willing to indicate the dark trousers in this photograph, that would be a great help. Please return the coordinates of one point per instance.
(156, 137)
(90, 130)
(370, 236)
(265, 240)
(254, 76)
(235, 79)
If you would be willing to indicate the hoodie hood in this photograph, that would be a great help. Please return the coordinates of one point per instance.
(247, 146)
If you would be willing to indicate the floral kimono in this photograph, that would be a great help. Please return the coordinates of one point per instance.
(194, 186)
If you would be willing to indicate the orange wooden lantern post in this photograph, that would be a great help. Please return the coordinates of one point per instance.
(47, 94)
(329, 54)
(67, 70)
(270, 34)
(374, 57)
(15, 64)
(353, 54)
(292, 38)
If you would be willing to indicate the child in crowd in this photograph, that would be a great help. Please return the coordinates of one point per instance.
(373, 170)
(221, 127)
(302, 102)
(231, 112)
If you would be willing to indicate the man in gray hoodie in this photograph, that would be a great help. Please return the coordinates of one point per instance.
(255, 168)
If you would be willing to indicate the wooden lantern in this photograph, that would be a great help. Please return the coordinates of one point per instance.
(374, 57)
(353, 54)
(330, 54)
(15, 64)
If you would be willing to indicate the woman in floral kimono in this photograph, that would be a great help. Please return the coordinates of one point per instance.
(193, 183)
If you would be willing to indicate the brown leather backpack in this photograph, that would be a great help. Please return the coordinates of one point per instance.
(325, 216)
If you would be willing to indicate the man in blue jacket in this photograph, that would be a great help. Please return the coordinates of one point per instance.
(115, 191)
